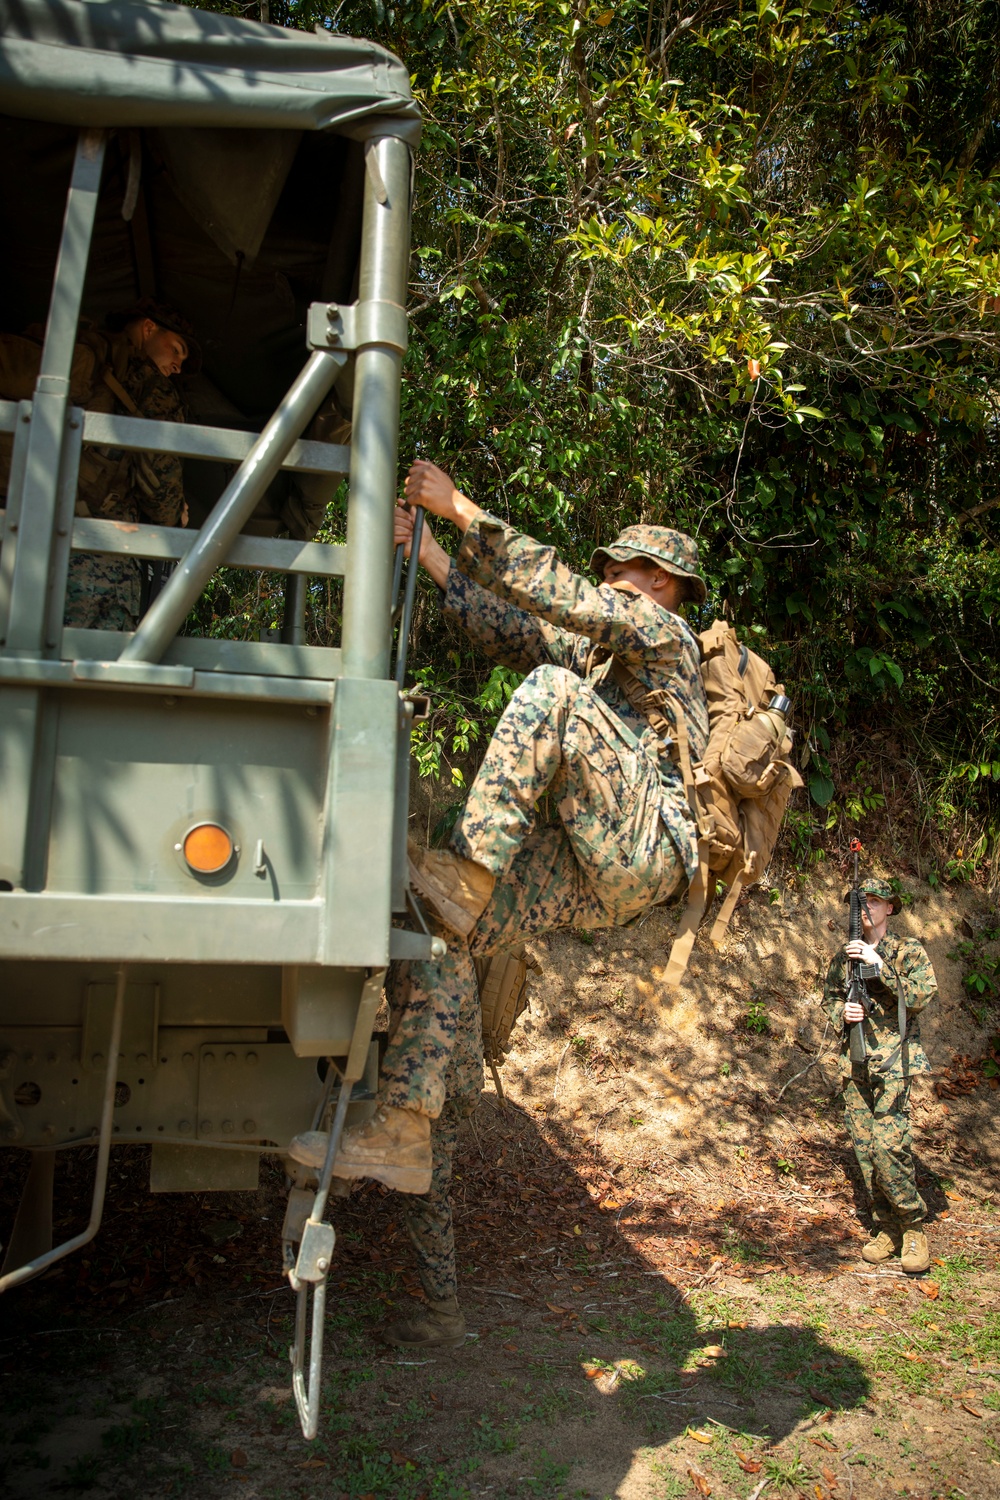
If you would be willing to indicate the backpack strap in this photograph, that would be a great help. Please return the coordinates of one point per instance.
(116, 388)
(673, 733)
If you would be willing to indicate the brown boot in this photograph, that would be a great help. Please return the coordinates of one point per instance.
(439, 1325)
(393, 1147)
(883, 1247)
(455, 889)
(916, 1256)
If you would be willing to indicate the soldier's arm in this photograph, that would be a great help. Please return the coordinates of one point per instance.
(506, 633)
(530, 576)
(913, 968)
(834, 991)
(159, 477)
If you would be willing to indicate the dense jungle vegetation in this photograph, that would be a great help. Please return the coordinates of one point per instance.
(734, 267)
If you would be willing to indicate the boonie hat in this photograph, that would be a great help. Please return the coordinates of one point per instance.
(167, 317)
(875, 885)
(673, 551)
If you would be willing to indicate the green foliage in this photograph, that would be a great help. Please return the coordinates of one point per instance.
(742, 276)
(755, 1019)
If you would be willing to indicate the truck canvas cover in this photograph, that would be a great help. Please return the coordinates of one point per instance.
(233, 181)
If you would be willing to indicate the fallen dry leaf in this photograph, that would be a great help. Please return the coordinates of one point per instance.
(401, 1458)
(715, 1351)
(699, 1437)
(554, 1307)
(747, 1464)
(511, 1348)
(828, 1474)
(238, 1458)
(929, 1288)
(825, 1444)
(957, 1197)
(312, 1463)
(971, 1410)
(699, 1481)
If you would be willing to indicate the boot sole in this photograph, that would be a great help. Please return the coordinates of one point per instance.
(454, 917)
(452, 1343)
(403, 1179)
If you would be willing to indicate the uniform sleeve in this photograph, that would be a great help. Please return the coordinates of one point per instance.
(506, 633)
(159, 477)
(912, 967)
(834, 993)
(530, 576)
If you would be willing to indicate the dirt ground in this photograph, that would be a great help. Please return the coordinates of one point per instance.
(658, 1242)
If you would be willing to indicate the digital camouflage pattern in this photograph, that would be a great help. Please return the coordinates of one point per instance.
(903, 958)
(524, 607)
(607, 858)
(877, 1116)
(103, 589)
(102, 592)
(428, 1216)
(876, 1103)
(675, 551)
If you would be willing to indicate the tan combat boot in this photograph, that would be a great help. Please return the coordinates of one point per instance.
(393, 1147)
(455, 889)
(439, 1325)
(916, 1256)
(883, 1247)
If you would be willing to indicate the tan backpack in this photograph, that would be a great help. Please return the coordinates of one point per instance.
(739, 791)
(503, 984)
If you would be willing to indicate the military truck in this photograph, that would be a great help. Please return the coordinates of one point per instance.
(202, 839)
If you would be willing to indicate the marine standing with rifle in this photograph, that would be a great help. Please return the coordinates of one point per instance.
(875, 989)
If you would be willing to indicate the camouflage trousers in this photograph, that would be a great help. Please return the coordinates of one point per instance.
(102, 592)
(607, 859)
(877, 1116)
(428, 1216)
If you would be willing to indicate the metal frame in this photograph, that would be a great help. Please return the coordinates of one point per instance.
(41, 1262)
(348, 922)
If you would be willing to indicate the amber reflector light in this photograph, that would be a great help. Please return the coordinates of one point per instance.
(208, 848)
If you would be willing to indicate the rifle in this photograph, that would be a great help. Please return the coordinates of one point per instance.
(858, 973)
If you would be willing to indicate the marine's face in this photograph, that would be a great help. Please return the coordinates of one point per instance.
(656, 583)
(167, 350)
(879, 909)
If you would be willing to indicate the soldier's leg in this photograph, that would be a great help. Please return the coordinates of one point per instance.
(859, 1115)
(544, 889)
(102, 592)
(429, 1216)
(557, 734)
(892, 1153)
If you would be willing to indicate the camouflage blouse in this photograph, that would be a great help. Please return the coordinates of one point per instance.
(525, 608)
(905, 959)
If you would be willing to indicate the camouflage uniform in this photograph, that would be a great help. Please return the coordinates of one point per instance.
(428, 1216)
(877, 1092)
(568, 730)
(103, 589)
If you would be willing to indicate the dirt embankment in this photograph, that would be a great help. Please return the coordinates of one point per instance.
(740, 1057)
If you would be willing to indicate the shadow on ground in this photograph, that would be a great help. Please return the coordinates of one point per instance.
(156, 1364)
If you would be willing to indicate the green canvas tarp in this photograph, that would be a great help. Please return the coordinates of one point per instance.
(104, 62)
